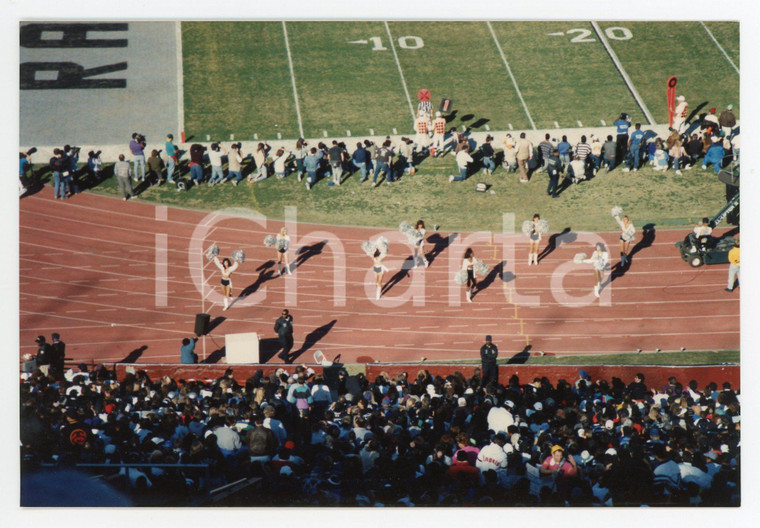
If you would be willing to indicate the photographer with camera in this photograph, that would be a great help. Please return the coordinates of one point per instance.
(171, 157)
(215, 158)
(94, 165)
(72, 179)
(235, 159)
(24, 164)
(59, 167)
(300, 152)
(155, 167)
(136, 146)
(196, 162)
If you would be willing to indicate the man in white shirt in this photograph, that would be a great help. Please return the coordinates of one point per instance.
(493, 456)
(463, 159)
(499, 418)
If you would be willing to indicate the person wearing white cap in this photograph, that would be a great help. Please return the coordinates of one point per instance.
(679, 114)
(439, 134)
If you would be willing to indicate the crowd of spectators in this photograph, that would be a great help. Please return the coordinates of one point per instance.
(711, 142)
(396, 440)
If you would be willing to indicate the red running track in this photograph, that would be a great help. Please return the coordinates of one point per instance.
(116, 280)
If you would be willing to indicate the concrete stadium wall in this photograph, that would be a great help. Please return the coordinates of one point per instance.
(655, 376)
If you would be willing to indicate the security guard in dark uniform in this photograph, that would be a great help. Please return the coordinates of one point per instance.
(488, 355)
(284, 328)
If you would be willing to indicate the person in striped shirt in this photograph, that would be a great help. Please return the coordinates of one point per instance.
(439, 135)
(582, 150)
(545, 148)
(425, 108)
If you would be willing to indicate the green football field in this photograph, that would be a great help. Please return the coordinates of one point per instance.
(334, 79)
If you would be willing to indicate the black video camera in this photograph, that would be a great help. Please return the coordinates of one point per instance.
(31, 151)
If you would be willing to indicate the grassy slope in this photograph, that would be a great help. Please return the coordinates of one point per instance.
(648, 196)
(661, 49)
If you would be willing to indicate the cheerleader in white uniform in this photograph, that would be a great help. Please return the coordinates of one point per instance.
(282, 244)
(468, 264)
(226, 267)
(599, 259)
(626, 237)
(535, 240)
(379, 269)
(419, 249)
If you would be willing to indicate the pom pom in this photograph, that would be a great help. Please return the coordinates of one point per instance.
(269, 241)
(411, 234)
(382, 244)
(527, 227)
(212, 252)
(542, 226)
(579, 258)
(283, 244)
(481, 268)
(461, 277)
(369, 248)
(616, 211)
(238, 256)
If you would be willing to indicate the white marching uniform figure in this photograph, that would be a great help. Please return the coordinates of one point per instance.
(600, 259)
(679, 114)
(282, 244)
(419, 250)
(626, 237)
(227, 268)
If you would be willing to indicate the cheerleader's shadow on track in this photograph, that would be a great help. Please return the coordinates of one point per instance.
(496, 271)
(304, 253)
(440, 243)
(398, 276)
(134, 355)
(265, 274)
(314, 337)
(556, 240)
(647, 238)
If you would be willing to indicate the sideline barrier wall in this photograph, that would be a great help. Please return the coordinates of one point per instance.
(656, 376)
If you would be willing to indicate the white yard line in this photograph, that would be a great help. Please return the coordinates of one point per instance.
(180, 82)
(623, 73)
(293, 78)
(509, 71)
(720, 48)
(398, 63)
